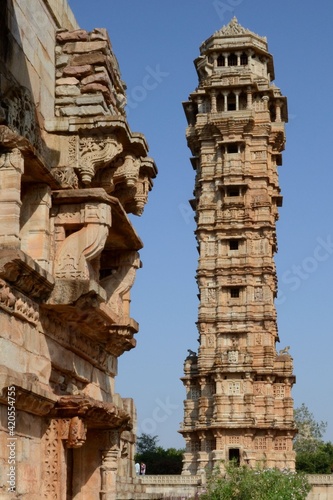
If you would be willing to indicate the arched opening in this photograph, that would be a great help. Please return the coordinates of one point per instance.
(243, 59)
(220, 103)
(242, 101)
(231, 102)
(232, 60)
(220, 60)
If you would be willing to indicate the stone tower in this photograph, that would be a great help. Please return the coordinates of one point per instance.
(238, 403)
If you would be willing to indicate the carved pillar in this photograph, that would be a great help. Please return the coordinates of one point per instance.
(237, 92)
(278, 111)
(225, 95)
(200, 104)
(35, 224)
(249, 98)
(109, 468)
(11, 170)
(213, 101)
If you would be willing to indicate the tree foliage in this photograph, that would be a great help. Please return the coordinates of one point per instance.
(313, 456)
(244, 483)
(157, 459)
(319, 461)
(310, 433)
(146, 443)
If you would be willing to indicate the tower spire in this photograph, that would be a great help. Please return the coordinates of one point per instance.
(238, 387)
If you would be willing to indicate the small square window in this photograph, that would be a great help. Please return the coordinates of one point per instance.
(233, 244)
(233, 191)
(234, 293)
(232, 148)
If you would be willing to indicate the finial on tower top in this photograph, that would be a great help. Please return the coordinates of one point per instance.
(234, 28)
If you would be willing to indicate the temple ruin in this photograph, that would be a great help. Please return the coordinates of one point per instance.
(238, 387)
(71, 171)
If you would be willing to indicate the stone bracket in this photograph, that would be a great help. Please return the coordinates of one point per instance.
(29, 396)
(96, 414)
(25, 274)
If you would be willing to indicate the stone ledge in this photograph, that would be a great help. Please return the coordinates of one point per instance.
(175, 479)
(25, 274)
(320, 479)
(29, 396)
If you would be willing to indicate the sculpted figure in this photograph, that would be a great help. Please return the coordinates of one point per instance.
(120, 282)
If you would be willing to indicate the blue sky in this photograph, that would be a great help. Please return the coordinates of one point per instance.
(156, 42)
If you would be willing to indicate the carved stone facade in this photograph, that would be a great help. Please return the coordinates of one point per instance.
(238, 387)
(71, 171)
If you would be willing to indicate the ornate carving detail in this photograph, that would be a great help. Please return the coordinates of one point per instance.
(121, 338)
(96, 153)
(72, 150)
(25, 274)
(67, 177)
(75, 340)
(120, 282)
(27, 310)
(233, 356)
(36, 403)
(7, 299)
(17, 304)
(75, 252)
(259, 389)
(97, 414)
(21, 116)
(141, 195)
(51, 485)
(279, 391)
(12, 159)
(110, 463)
(74, 431)
(127, 170)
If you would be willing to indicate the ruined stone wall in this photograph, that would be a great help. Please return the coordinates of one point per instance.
(70, 172)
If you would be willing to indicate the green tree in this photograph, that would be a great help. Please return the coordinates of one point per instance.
(146, 443)
(313, 456)
(157, 459)
(319, 461)
(244, 483)
(310, 433)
